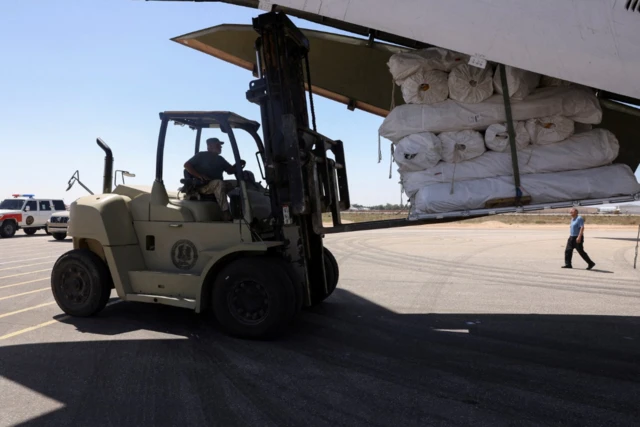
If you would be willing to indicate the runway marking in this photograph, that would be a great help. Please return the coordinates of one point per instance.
(32, 328)
(44, 324)
(24, 293)
(457, 331)
(27, 254)
(24, 274)
(26, 309)
(23, 246)
(15, 253)
(30, 259)
(24, 283)
(21, 266)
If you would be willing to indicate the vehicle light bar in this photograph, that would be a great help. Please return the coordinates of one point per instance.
(31, 196)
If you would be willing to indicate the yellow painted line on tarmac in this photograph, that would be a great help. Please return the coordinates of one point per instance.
(24, 283)
(21, 266)
(42, 325)
(26, 254)
(25, 293)
(24, 274)
(26, 309)
(30, 259)
(22, 247)
(32, 328)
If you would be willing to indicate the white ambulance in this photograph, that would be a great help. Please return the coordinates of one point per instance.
(24, 211)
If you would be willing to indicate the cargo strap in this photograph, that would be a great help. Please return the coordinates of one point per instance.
(511, 131)
(393, 95)
(391, 161)
(391, 107)
(457, 149)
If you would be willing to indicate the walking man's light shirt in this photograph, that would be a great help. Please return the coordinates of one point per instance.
(576, 241)
(576, 224)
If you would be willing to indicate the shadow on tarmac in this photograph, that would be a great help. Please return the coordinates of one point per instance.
(348, 362)
(622, 239)
(595, 270)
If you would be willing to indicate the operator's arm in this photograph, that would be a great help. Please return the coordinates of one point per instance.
(231, 169)
(579, 239)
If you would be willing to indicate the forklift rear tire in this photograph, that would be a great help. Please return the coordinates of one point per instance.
(30, 231)
(253, 298)
(8, 228)
(59, 236)
(81, 283)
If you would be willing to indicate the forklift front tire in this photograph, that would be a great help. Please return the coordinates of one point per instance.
(333, 270)
(333, 274)
(253, 298)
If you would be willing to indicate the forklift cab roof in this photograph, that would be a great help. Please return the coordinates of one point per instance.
(210, 119)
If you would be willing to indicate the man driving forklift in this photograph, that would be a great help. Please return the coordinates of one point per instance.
(208, 167)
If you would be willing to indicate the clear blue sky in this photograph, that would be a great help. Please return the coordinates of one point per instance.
(74, 70)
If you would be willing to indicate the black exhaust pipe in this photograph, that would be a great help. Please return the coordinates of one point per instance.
(108, 166)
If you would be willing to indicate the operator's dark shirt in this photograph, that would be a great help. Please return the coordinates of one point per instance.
(209, 164)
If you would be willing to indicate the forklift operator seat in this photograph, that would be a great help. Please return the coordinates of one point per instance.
(190, 186)
(204, 207)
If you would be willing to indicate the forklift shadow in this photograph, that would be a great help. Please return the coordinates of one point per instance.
(348, 361)
(120, 317)
(354, 319)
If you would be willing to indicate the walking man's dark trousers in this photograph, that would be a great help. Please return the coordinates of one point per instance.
(573, 244)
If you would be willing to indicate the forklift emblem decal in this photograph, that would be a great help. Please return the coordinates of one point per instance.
(184, 254)
(29, 220)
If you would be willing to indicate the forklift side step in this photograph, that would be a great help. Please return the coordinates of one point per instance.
(159, 299)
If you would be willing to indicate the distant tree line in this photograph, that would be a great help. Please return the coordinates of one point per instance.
(386, 207)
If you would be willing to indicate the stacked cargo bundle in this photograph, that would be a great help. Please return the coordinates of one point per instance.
(452, 145)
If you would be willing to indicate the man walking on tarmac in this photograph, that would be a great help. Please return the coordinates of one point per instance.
(576, 241)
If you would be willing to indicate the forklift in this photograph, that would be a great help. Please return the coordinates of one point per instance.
(254, 272)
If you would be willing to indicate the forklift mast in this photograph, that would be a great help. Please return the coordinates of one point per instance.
(304, 181)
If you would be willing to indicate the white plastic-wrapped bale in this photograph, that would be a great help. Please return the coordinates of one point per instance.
(470, 84)
(403, 65)
(521, 82)
(418, 152)
(577, 103)
(459, 146)
(496, 137)
(425, 87)
(548, 130)
(596, 183)
(592, 149)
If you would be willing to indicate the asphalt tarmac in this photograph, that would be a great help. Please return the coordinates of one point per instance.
(429, 327)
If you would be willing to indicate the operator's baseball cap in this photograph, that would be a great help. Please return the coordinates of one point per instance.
(214, 141)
